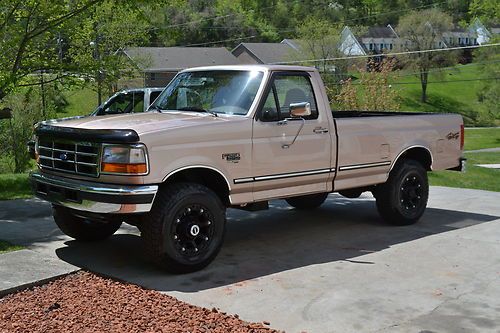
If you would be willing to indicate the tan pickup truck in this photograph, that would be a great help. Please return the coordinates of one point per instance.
(233, 136)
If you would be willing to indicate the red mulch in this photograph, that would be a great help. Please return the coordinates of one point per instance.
(84, 302)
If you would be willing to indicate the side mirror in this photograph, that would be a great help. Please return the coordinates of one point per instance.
(298, 110)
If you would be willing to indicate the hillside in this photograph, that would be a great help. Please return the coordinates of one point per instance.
(455, 91)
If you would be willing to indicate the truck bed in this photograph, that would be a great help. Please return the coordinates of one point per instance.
(358, 114)
(368, 143)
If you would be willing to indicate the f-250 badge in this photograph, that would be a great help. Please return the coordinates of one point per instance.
(231, 157)
(452, 136)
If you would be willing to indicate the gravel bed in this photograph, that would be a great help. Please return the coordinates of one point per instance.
(84, 302)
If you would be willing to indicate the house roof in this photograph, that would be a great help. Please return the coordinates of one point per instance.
(380, 32)
(155, 59)
(267, 53)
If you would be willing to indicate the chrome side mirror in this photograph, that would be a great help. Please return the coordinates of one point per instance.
(298, 110)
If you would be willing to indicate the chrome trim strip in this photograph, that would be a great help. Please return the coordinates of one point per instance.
(364, 166)
(408, 148)
(196, 166)
(98, 188)
(292, 174)
(76, 152)
(243, 180)
(283, 176)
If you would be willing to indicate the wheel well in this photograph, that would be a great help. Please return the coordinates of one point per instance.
(204, 176)
(419, 154)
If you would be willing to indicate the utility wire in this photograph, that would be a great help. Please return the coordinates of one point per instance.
(387, 54)
(434, 70)
(219, 41)
(429, 82)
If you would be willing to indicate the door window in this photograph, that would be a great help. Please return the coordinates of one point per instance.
(286, 90)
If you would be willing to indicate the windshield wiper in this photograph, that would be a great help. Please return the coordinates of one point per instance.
(155, 108)
(198, 109)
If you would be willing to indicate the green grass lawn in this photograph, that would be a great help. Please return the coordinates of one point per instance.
(81, 101)
(448, 96)
(480, 138)
(7, 247)
(14, 186)
(475, 177)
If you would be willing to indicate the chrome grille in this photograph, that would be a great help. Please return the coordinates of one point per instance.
(80, 158)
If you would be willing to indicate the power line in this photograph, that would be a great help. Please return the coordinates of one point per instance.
(387, 54)
(219, 41)
(429, 82)
(434, 70)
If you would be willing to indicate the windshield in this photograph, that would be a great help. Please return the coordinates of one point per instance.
(219, 91)
(123, 102)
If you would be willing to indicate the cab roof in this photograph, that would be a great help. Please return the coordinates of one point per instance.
(257, 67)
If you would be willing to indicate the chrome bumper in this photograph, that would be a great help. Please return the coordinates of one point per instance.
(93, 197)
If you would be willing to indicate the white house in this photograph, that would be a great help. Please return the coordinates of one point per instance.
(483, 33)
(376, 40)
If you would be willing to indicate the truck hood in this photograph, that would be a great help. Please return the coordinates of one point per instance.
(141, 122)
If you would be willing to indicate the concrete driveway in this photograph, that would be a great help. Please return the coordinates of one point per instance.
(336, 269)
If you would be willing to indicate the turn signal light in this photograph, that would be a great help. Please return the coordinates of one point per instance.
(139, 168)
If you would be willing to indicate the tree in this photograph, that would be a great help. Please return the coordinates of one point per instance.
(489, 90)
(372, 91)
(487, 10)
(420, 31)
(99, 38)
(28, 30)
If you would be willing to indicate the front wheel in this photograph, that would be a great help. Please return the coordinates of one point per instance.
(185, 229)
(305, 202)
(403, 198)
(83, 229)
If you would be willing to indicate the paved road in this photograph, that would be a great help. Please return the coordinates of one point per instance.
(337, 269)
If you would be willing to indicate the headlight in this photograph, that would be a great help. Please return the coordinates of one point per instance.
(121, 159)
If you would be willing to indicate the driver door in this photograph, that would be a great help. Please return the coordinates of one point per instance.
(291, 156)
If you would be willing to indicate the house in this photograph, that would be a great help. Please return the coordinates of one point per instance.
(350, 45)
(483, 33)
(459, 37)
(375, 40)
(267, 53)
(160, 64)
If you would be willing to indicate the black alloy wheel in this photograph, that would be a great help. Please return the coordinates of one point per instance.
(193, 231)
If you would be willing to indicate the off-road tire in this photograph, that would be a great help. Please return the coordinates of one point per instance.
(403, 198)
(306, 202)
(83, 229)
(168, 228)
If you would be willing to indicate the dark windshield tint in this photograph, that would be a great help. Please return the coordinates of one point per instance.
(221, 91)
(126, 102)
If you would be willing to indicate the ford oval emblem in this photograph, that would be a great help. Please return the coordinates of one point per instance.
(63, 156)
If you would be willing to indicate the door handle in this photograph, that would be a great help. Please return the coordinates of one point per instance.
(320, 130)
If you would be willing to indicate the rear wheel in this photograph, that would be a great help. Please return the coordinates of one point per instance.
(185, 229)
(310, 201)
(403, 198)
(83, 229)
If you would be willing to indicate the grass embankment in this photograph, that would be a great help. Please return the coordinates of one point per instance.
(480, 138)
(8, 247)
(475, 177)
(14, 186)
(81, 101)
(452, 90)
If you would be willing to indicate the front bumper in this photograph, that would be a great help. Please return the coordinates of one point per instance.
(93, 197)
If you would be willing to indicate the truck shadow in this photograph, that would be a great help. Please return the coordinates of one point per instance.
(262, 243)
